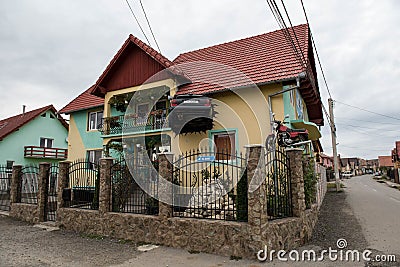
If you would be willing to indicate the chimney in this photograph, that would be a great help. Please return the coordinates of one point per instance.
(23, 109)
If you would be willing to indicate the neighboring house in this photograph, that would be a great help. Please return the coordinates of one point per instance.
(326, 161)
(386, 166)
(266, 61)
(372, 165)
(351, 164)
(86, 113)
(385, 162)
(32, 137)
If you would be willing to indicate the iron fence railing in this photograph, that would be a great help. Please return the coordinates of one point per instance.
(51, 207)
(210, 185)
(134, 186)
(29, 184)
(278, 184)
(133, 123)
(5, 186)
(83, 190)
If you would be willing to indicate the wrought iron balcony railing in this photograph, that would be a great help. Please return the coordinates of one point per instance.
(45, 152)
(133, 123)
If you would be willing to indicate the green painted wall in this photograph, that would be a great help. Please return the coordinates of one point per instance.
(90, 139)
(12, 146)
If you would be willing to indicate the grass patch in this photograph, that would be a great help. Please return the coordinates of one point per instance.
(125, 241)
(193, 251)
(236, 258)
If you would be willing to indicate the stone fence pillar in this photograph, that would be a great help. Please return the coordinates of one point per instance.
(15, 192)
(297, 181)
(105, 197)
(257, 199)
(165, 185)
(63, 170)
(43, 190)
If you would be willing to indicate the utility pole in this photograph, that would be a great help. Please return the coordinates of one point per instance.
(333, 135)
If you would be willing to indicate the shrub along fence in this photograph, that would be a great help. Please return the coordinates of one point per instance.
(224, 234)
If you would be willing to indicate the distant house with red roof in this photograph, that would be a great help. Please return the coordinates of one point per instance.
(385, 161)
(86, 113)
(246, 80)
(33, 136)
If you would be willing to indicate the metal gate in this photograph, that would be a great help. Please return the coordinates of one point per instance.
(212, 185)
(5, 186)
(129, 196)
(51, 205)
(29, 184)
(278, 189)
(84, 183)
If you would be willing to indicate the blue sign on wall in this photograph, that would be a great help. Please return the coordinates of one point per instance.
(205, 158)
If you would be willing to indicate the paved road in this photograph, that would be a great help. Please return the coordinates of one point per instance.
(377, 208)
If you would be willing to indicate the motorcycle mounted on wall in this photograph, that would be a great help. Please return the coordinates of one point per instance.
(284, 135)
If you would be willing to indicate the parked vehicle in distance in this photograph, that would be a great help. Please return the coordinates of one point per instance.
(347, 174)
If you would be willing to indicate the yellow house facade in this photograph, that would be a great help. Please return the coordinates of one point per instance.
(245, 89)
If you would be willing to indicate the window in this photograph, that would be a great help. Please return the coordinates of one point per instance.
(93, 157)
(225, 145)
(94, 120)
(46, 142)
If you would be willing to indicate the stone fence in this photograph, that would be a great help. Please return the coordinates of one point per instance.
(229, 238)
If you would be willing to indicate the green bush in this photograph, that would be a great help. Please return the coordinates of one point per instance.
(310, 181)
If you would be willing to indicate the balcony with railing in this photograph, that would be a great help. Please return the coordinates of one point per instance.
(133, 123)
(45, 152)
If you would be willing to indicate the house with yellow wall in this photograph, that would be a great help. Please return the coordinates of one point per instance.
(246, 81)
(85, 114)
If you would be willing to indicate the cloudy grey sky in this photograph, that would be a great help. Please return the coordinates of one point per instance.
(50, 51)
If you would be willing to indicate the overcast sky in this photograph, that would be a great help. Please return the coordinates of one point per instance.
(50, 51)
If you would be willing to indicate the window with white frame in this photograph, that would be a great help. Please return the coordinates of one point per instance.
(94, 120)
(46, 142)
(224, 145)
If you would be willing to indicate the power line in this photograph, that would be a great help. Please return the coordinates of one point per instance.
(151, 30)
(364, 127)
(376, 122)
(294, 33)
(137, 21)
(373, 112)
(316, 51)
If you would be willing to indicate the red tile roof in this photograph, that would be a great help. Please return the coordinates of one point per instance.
(82, 102)
(263, 59)
(12, 124)
(385, 161)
